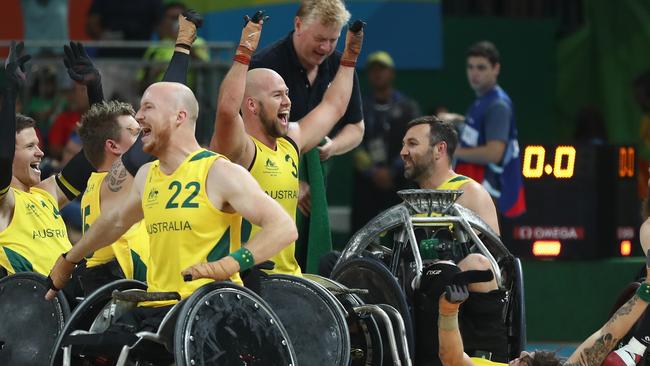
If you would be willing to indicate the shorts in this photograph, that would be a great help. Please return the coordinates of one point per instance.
(482, 325)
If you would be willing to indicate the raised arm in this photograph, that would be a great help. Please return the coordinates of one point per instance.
(15, 74)
(109, 227)
(236, 188)
(230, 137)
(188, 22)
(594, 350)
(82, 70)
(313, 127)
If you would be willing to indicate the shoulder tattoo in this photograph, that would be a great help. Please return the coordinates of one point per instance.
(117, 176)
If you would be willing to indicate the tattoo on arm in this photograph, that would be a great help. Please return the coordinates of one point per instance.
(116, 176)
(595, 354)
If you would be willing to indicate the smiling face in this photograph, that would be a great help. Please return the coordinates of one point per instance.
(267, 97)
(417, 153)
(314, 41)
(27, 158)
(156, 116)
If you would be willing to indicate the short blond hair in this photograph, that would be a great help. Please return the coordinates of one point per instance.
(328, 12)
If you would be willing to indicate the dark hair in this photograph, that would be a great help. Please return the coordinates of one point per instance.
(439, 130)
(100, 124)
(174, 4)
(485, 49)
(23, 122)
(545, 358)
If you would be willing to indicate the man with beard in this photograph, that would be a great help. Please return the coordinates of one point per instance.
(262, 139)
(428, 150)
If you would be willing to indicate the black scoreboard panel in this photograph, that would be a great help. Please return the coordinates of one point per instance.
(581, 203)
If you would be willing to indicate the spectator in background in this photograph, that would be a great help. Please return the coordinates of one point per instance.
(379, 167)
(166, 31)
(44, 101)
(307, 61)
(641, 86)
(489, 150)
(132, 20)
(66, 122)
(45, 20)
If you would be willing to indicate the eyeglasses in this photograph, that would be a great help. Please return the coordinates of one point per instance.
(135, 131)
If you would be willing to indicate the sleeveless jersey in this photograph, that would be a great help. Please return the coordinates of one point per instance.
(503, 181)
(184, 227)
(483, 362)
(36, 235)
(454, 182)
(131, 250)
(277, 173)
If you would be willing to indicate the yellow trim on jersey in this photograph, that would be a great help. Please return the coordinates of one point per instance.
(276, 171)
(67, 185)
(184, 226)
(454, 182)
(36, 235)
(483, 362)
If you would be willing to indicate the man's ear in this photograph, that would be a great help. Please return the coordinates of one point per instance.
(297, 24)
(181, 116)
(250, 105)
(497, 68)
(112, 147)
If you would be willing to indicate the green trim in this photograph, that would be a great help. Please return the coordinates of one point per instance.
(246, 228)
(221, 249)
(18, 262)
(202, 155)
(459, 178)
(139, 268)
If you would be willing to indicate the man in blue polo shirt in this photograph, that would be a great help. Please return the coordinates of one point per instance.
(489, 150)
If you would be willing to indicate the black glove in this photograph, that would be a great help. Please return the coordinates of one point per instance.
(356, 26)
(456, 294)
(194, 17)
(252, 277)
(257, 17)
(80, 67)
(15, 66)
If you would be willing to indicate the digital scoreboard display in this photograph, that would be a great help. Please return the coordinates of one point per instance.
(581, 203)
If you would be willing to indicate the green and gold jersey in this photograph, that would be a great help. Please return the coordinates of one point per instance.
(277, 173)
(454, 182)
(184, 227)
(131, 250)
(36, 235)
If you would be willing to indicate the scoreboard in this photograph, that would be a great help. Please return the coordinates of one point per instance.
(581, 203)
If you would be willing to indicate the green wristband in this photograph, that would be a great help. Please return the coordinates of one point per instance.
(643, 292)
(244, 257)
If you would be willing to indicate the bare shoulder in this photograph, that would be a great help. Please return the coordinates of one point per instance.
(473, 190)
(644, 235)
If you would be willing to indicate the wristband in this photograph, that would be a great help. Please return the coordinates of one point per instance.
(643, 292)
(348, 63)
(244, 257)
(183, 45)
(242, 59)
(241, 49)
(448, 322)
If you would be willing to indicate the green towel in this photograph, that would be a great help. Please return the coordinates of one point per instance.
(315, 236)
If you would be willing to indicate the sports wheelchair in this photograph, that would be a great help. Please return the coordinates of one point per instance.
(385, 258)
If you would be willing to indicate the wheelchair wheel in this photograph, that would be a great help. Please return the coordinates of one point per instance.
(365, 337)
(313, 318)
(371, 274)
(226, 324)
(86, 312)
(29, 324)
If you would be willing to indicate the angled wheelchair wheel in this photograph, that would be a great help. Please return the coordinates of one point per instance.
(29, 324)
(517, 313)
(371, 274)
(366, 347)
(313, 318)
(86, 312)
(226, 324)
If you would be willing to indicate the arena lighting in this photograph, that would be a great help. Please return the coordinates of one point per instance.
(547, 248)
(626, 248)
